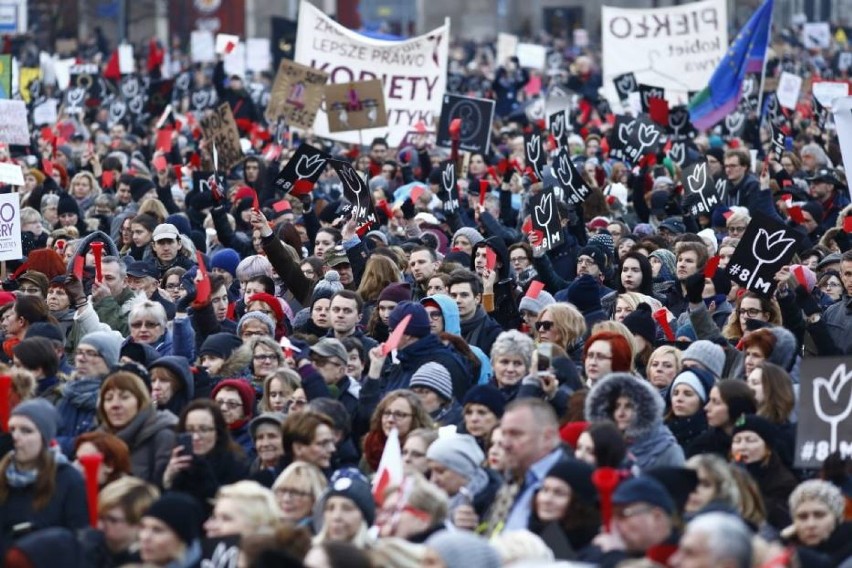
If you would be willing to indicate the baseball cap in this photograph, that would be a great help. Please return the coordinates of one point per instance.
(166, 231)
(141, 269)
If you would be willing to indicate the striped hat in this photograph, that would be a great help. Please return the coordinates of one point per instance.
(435, 377)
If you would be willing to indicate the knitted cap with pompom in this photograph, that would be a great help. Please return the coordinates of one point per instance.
(327, 287)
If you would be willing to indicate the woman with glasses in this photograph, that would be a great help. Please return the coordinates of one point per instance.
(736, 224)
(170, 283)
(606, 352)
(400, 409)
(266, 358)
(271, 306)
(235, 398)
(750, 306)
(125, 410)
(831, 287)
(562, 324)
(296, 491)
(215, 459)
(147, 321)
(309, 436)
(414, 450)
(511, 356)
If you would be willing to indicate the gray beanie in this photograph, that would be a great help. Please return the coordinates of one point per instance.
(470, 234)
(458, 452)
(708, 354)
(260, 316)
(107, 343)
(43, 414)
(327, 287)
(433, 376)
(462, 549)
(536, 305)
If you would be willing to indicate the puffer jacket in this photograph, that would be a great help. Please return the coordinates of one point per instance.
(650, 442)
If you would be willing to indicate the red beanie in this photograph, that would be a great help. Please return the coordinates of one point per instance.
(571, 431)
(243, 388)
(270, 301)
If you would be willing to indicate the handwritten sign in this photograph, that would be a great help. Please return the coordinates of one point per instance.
(220, 130)
(13, 123)
(296, 95)
(355, 106)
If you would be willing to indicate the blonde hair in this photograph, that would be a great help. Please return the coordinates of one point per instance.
(154, 208)
(568, 321)
(662, 351)
(303, 476)
(397, 552)
(130, 494)
(256, 502)
(521, 545)
(93, 182)
(289, 378)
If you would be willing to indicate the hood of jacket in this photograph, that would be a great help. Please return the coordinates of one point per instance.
(499, 248)
(179, 366)
(109, 246)
(450, 311)
(784, 353)
(647, 402)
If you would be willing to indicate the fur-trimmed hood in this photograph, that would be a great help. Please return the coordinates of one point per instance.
(237, 365)
(647, 402)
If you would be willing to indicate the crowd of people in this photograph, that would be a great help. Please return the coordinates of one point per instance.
(256, 396)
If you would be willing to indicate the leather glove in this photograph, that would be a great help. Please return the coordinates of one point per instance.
(75, 291)
(806, 301)
(408, 209)
(694, 287)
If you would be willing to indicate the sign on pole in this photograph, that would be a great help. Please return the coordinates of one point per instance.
(221, 132)
(296, 95)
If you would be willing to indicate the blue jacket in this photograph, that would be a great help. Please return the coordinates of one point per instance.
(424, 350)
(452, 324)
(77, 411)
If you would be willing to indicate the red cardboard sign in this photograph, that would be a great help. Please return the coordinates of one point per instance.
(394, 338)
(535, 289)
(710, 268)
(490, 258)
(202, 287)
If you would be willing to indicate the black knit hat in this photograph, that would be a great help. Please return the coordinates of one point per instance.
(679, 481)
(596, 252)
(139, 187)
(352, 485)
(759, 425)
(181, 513)
(67, 204)
(488, 396)
(721, 281)
(641, 323)
(578, 475)
(220, 345)
(584, 293)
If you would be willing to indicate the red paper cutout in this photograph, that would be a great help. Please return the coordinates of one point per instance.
(416, 192)
(394, 338)
(160, 163)
(455, 128)
(799, 273)
(796, 214)
(107, 178)
(47, 166)
(658, 109)
(302, 187)
(483, 191)
(535, 289)
(847, 224)
(202, 287)
(78, 267)
(490, 258)
(164, 140)
(710, 268)
(280, 206)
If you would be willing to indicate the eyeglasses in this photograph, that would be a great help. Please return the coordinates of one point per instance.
(201, 430)
(112, 520)
(736, 230)
(544, 325)
(232, 404)
(145, 324)
(292, 493)
(296, 403)
(632, 511)
(727, 166)
(593, 356)
(88, 354)
(832, 285)
(434, 315)
(265, 357)
(750, 312)
(29, 290)
(518, 258)
(396, 414)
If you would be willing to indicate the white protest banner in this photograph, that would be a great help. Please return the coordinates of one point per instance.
(258, 56)
(226, 43)
(45, 113)
(789, 87)
(10, 226)
(13, 123)
(414, 71)
(674, 47)
(826, 91)
(507, 45)
(842, 110)
(235, 60)
(62, 72)
(202, 46)
(531, 56)
(11, 174)
(126, 65)
(816, 35)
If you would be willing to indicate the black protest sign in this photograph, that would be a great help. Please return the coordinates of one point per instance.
(560, 127)
(734, 124)
(535, 153)
(648, 92)
(625, 84)
(545, 219)
(476, 116)
(620, 135)
(118, 112)
(572, 183)
(159, 96)
(678, 153)
(356, 192)
(202, 99)
(86, 76)
(699, 191)
(774, 111)
(645, 138)
(450, 192)
(750, 93)
(204, 181)
(307, 164)
(825, 405)
(820, 114)
(766, 246)
(220, 131)
(679, 127)
(75, 100)
(778, 141)
(283, 40)
(130, 86)
(183, 85)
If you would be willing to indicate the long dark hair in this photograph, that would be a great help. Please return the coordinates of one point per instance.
(610, 447)
(647, 286)
(224, 441)
(45, 483)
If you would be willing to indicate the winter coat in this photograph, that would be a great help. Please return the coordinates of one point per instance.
(424, 350)
(650, 442)
(838, 320)
(113, 310)
(77, 411)
(179, 367)
(150, 436)
(481, 330)
(452, 324)
(833, 550)
(67, 506)
(687, 428)
(203, 478)
(776, 482)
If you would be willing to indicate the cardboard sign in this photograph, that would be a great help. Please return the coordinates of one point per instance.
(10, 225)
(14, 128)
(625, 84)
(356, 191)
(826, 91)
(764, 248)
(308, 163)
(296, 95)
(648, 92)
(825, 404)
(560, 127)
(221, 131)
(476, 116)
(11, 174)
(679, 126)
(545, 218)
(202, 46)
(644, 138)
(816, 35)
(531, 55)
(450, 195)
(573, 187)
(535, 154)
(789, 88)
(355, 106)
(507, 46)
(699, 190)
(46, 112)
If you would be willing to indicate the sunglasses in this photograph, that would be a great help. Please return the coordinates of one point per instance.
(544, 325)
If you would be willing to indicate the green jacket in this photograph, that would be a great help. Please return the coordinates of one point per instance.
(110, 311)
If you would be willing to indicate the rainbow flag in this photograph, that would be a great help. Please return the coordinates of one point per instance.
(746, 55)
